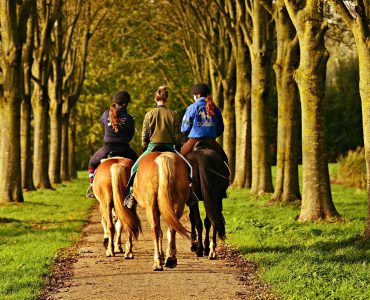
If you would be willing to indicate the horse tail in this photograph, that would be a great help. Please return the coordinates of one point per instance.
(166, 179)
(128, 217)
(212, 206)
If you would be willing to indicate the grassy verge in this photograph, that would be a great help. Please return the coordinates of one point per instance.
(31, 233)
(303, 260)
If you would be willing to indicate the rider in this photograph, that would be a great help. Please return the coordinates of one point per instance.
(202, 121)
(118, 132)
(160, 128)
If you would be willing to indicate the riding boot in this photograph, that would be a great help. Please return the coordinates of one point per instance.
(130, 201)
(90, 192)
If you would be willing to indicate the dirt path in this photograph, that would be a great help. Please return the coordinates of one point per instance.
(85, 273)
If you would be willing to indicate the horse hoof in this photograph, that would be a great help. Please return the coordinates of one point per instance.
(171, 262)
(199, 253)
(118, 249)
(157, 268)
(105, 243)
(109, 254)
(206, 252)
(193, 248)
(212, 257)
(129, 256)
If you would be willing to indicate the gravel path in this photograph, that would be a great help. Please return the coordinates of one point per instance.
(84, 272)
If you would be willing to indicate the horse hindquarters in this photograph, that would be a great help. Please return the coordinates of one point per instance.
(129, 219)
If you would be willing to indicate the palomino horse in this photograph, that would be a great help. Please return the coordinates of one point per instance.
(109, 188)
(161, 187)
(210, 182)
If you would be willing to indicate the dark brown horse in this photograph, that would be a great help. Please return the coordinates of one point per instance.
(109, 188)
(210, 182)
(161, 187)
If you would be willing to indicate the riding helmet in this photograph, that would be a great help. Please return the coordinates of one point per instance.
(121, 97)
(200, 88)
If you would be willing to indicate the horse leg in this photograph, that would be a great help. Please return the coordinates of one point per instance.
(207, 225)
(154, 221)
(171, 260)
(193, 235)
(104, 224)
(128, 251)
(118, 242)
(213, 245)
(161, 254)
(107, 214)
(194, 210)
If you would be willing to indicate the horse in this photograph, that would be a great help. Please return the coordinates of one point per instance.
(211, 177)
(109, 188)
(161, 187)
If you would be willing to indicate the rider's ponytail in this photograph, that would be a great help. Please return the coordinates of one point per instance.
(113, 116)
(210, 106)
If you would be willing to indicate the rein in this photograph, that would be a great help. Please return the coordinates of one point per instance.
(213, 171)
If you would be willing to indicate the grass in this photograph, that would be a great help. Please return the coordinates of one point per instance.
(298, 260)
(31, 234)
(303, 260)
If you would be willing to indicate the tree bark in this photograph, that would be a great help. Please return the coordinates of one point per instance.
(261, 165)
(228, 84)
(40, 105)
(26, 109)
(65, 174)
(72, 145)
(317, 203)
(287, 183)
(55, 113)
(13, 20)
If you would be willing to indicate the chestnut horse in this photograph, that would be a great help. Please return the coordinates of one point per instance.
(109, 188)
(211, 178)
(161, 187)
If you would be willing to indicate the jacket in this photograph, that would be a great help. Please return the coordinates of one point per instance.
(126, 128)
(196, 123)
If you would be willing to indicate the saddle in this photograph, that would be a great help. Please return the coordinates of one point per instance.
(204, 144)
(160, 148)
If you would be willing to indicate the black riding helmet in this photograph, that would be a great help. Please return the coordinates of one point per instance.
(121, 97)
(200, 88)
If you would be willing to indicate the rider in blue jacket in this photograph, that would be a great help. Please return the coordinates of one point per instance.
(202, 121)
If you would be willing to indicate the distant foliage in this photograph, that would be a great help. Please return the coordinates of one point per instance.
(343, 107)
(352, 169)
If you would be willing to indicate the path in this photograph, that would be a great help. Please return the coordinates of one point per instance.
(94, 276)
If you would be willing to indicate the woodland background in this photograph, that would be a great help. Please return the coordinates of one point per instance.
(291, 77)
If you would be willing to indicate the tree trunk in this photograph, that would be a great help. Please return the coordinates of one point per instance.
(310, 76)
(287, 183)
(72, 146)
(26, 109)
(65, 148)
(55, 141)
(40, 107)
(363, 48)
(261, 165)
(229, 116)
(243, 167)
(26, 143)
(11, 86)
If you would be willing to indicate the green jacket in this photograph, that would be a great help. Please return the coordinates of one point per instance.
(161, 126)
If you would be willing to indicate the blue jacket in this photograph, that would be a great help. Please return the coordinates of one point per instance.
(126, 128)
(197, 124)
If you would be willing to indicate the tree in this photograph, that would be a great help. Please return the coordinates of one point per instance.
(256, 27)
(26, 108)
(13, 20)
(287, 60)
(47, 12)
(307, 18)
(357, 20)
(233, 15)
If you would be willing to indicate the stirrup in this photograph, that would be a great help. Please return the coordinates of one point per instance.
(129, 201)
(90, 192)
